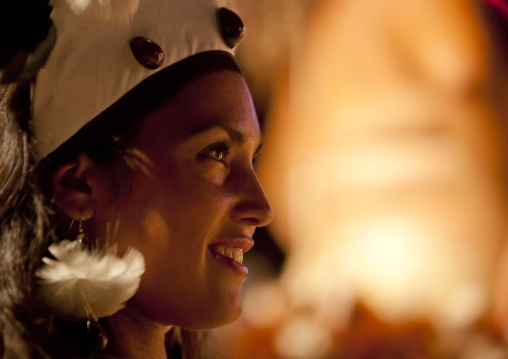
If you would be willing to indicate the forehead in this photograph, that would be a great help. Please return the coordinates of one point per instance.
(217, 99)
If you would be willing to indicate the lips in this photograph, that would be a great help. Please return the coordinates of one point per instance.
(231, 253)
(234, 253)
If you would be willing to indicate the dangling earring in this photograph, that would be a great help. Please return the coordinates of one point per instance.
(81, 284)
(81, 233)
(97, 339)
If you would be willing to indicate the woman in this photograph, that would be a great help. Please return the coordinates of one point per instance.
(128, 137)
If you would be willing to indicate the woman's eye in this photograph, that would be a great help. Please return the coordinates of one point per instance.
(218, 151)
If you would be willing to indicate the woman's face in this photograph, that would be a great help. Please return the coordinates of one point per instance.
(192, 203)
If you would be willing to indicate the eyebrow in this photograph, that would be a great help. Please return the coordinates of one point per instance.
(236, 135)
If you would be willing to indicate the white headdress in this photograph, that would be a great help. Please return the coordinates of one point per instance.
(105, 48)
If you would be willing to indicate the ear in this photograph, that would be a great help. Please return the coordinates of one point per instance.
(74, 185)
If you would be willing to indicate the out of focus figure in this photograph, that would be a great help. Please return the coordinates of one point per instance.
(386, 170)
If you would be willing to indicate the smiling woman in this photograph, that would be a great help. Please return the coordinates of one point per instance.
(127, 181)
(196, 203)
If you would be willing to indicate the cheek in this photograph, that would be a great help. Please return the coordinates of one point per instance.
(213, 173)
(175, 214)
(156, 226)
(199, 198)
(157, 229)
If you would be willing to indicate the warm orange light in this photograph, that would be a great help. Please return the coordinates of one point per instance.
(384, 163)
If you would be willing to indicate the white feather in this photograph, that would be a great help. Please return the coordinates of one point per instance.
(79, 284)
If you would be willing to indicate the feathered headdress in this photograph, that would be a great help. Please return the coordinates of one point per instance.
(92, 54)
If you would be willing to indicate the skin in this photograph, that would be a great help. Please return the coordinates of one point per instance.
(186, 193)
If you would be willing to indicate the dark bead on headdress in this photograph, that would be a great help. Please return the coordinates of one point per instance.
(147, 52)
(231, 27)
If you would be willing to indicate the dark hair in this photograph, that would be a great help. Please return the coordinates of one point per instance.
(23, 222)
(23, 215)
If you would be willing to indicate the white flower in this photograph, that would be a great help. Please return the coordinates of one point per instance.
(80, 284)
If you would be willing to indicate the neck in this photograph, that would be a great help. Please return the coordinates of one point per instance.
(134, 336)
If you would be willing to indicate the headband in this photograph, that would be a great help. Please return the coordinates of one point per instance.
(118, 57)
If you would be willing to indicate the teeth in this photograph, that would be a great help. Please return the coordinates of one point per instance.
(230, 252)
(238, 255)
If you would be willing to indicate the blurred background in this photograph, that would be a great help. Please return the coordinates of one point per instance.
(386, 166)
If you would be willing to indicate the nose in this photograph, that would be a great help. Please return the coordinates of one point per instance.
(251, 205)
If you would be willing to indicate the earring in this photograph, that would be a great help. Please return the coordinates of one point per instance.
(79, 283)
(97, 339)
(81, 233)
(75, 340)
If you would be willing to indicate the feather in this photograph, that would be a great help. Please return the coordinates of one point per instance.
(79, 284)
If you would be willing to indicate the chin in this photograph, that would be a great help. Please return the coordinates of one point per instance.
(193, 313)
(211, 322)
(213, 317)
